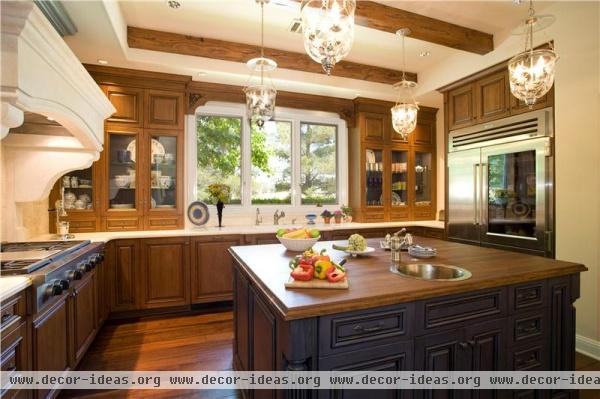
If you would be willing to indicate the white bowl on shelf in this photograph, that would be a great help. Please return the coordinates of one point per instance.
(298, 244)
(122, 181)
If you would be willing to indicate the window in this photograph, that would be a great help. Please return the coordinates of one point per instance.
(219, 155)
(271, 154)
(318, 163)
(300, 159)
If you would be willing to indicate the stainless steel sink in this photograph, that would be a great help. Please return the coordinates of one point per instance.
(431, 272)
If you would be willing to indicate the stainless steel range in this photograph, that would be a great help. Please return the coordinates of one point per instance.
(51, 265)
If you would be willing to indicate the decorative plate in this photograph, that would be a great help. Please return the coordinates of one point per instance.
(157, 148)
(354, 254)
(198, 213)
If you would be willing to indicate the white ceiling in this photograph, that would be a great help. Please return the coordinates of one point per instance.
(102, 25)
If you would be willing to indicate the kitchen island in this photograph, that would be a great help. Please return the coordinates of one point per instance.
(515, 313)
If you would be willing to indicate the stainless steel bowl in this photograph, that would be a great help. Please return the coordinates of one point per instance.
(431, 272)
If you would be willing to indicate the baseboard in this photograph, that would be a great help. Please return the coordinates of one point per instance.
(587, 346)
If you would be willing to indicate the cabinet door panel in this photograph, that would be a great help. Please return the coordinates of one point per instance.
(164, 110)
(240, 304)
(165, 272)
(460, 107)
(264, 342)
(212, 268)
(125, 269)
(374, 126)
(84, 315)
(129, 104)
(487, 342)
(440, 352)
(492, 97)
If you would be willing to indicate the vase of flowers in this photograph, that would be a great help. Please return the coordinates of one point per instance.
(326, 215)
(337, 215)
(219, 193)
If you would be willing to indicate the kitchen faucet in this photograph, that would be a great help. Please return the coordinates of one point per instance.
(258, 219)
(276, 217)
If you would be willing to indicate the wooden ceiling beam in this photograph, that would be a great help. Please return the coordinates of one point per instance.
(238, 52)
(389, 19)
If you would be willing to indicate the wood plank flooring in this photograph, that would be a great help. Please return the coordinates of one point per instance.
(200, 341)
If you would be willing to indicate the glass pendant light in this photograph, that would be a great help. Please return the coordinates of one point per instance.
(328, 30)
(531, 73)
(404, 113)
(260, 98)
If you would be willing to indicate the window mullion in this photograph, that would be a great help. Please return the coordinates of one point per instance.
(246, 164)
(296, 190)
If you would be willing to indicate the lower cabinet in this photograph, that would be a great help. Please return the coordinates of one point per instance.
(212, 268)
(14, 342)
(124, 258)
(164, 272)
(84, 307)
(50, 340)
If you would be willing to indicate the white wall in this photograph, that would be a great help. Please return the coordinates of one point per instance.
(576, 34)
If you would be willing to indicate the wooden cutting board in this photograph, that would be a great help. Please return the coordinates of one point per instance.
(340, 285)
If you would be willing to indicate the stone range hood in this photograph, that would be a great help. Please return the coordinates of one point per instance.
(40, 75)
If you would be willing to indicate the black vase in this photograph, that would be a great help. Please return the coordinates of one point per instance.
(220, 206)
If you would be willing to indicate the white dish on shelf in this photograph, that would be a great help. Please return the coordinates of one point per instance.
(156, 148)
(165, 206)
(370, 156)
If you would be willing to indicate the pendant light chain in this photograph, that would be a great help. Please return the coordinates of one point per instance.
(403, 57)
(262, 40)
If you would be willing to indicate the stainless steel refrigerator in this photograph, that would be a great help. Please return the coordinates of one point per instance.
(500, 183)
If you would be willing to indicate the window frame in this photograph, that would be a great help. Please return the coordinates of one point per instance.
(296, 117)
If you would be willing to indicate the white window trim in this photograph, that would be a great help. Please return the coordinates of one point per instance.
(284, 114)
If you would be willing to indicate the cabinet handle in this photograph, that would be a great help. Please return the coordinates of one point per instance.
(463, 345)
(530, 328)
(360, 328)
(530, 295)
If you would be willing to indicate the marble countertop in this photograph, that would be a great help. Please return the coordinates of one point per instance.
(105, 236)
(13, 284)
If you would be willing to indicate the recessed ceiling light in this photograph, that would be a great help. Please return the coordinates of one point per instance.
(424, 53)
(174, 4)
(50, 118)
(102, 62)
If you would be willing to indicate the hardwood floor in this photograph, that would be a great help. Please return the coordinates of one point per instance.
(185, 342)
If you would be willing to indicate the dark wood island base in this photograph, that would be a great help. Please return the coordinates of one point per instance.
(515, 313)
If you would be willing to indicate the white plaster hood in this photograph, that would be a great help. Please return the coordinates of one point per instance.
(41, 75)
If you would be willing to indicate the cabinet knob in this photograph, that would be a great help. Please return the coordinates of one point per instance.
(463, 345)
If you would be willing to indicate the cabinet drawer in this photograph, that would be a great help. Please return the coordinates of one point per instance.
(452, 310)
(373, 216)
(528, 326)
(159, 223)
(13, 311)
(530, 357)
(83, 226)
(355, 330)
(528, 296)
(122, 224)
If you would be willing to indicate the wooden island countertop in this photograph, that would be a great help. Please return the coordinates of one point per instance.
(372, 284)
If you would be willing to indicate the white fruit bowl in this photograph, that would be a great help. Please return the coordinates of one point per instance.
(298, 244)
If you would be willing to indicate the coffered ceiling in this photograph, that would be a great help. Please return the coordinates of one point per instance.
(103, 26)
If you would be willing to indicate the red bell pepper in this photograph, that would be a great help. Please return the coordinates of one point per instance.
(302, 274)
(334, 275)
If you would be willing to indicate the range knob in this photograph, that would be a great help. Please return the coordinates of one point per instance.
(84, 267)
(54, 289)
(74, 275)
(64, 284)
(100, 256)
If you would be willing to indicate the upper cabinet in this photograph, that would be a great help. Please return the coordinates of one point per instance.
(485, 97)
(391, 178)
(129, 105)
(164, 109)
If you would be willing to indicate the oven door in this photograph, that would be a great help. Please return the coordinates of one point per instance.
(515, 195)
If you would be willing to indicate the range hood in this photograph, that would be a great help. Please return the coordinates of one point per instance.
(43, 80)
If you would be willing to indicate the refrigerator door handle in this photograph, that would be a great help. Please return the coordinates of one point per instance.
(482, 186)
(476, 194)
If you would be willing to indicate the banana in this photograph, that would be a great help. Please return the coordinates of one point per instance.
(296, 234)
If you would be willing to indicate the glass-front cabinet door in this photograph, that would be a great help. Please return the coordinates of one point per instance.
(163, 172)
(374, 178)
(423, 179)
(122, 171)
(513, 198)
(399, 172)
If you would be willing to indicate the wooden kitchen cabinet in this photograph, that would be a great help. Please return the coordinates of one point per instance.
(165, 272)
(383, 169)
(129, 105)
(50, 343)
(124, 258)
(491, 97)
(15, 355)
(461, 107)
(84, 308)
(164, 109)
(212, 278)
